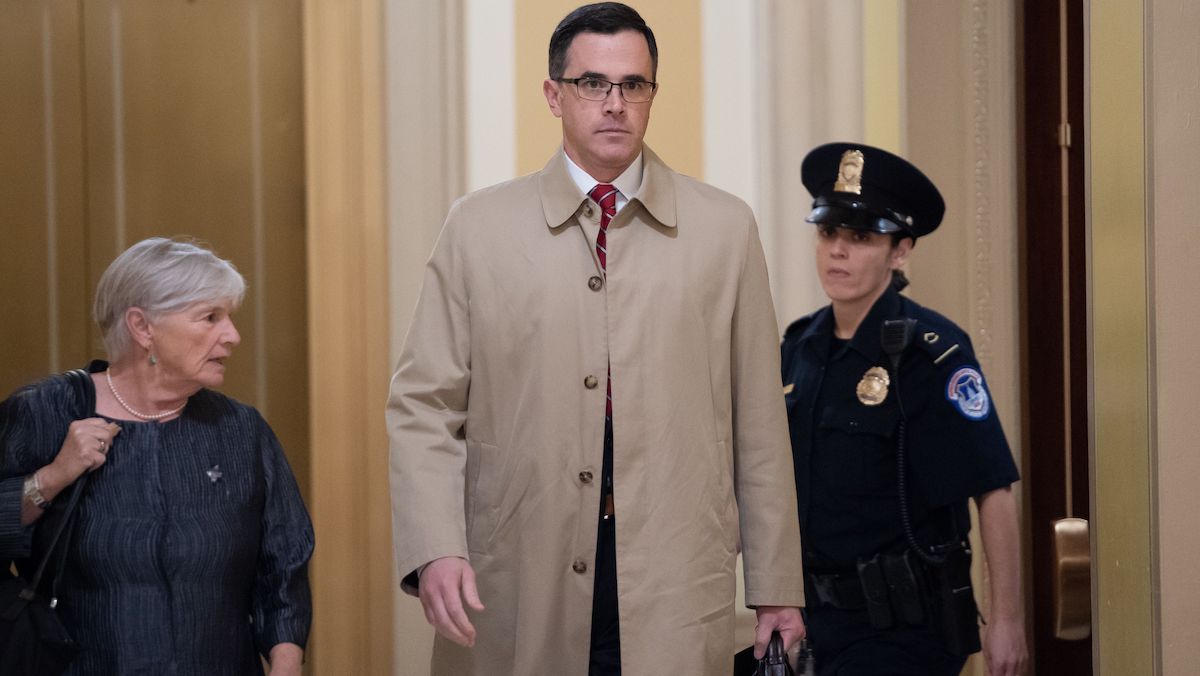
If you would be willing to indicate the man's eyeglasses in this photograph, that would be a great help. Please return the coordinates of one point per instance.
(597, 89)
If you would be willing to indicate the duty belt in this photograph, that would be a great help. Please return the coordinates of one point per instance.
(899, 589)
(888, 586)
(839, 590)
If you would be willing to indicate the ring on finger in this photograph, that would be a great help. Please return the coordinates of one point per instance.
(103, 446)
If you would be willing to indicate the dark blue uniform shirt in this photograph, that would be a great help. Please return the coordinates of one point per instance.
(845, 450)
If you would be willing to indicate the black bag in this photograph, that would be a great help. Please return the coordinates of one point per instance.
(774, 662)
(33, 640)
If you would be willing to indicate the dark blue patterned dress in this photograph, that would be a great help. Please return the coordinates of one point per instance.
(191, 551)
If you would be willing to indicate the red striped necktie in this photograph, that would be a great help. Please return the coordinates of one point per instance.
(605, 195)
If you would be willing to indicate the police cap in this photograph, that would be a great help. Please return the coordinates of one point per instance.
(864, 188)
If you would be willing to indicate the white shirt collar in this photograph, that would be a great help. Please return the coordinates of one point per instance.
(627, 184)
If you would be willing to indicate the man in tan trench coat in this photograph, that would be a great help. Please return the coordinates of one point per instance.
(545, 533)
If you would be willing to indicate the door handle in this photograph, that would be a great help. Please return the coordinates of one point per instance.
(1072, 579)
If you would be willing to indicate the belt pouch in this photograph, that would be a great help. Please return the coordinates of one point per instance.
(960, 630)
(906, 593)
(875, 591)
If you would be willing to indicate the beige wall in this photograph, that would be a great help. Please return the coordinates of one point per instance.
(45, 289)
(349, 364)
(140, 118)
(124, 120)
(884, 81)
(426, 171)
(1173, 168)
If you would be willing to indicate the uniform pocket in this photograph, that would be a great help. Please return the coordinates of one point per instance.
(880, 421)
(482, 498)
(858, 448)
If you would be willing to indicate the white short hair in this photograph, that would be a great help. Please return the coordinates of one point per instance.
(160, 276)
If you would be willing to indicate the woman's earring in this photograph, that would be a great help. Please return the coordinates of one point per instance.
(153, 360)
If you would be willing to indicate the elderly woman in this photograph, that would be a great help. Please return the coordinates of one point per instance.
(191, 545)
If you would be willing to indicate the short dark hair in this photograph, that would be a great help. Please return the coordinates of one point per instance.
(606, 18)
(899, 279)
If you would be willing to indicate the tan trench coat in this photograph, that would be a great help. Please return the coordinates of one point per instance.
(492, 426)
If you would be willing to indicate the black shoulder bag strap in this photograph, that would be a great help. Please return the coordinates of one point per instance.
(85, 394)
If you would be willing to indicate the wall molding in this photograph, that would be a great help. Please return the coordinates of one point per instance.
(981, 213)
(348, 331)
(427, 168)
(803, 48)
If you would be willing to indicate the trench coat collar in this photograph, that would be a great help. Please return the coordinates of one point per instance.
(561, 198)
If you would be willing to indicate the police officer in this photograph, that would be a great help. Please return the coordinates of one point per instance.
(893, 430)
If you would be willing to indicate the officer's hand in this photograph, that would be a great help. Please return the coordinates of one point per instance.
(1004, 647)
(784, 619)
(445, 584)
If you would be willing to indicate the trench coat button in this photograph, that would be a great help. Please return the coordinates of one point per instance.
(590, 382)
(580, 566)
(585, 477)
(587, 211)
(595, 283)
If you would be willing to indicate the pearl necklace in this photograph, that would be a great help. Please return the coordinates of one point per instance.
(143, 416)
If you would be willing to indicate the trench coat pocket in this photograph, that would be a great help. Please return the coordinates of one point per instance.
(482, 498)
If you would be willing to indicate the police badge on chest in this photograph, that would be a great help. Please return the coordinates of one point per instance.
(872, 389)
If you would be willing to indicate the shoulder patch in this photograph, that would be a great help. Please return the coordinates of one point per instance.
(966, 390)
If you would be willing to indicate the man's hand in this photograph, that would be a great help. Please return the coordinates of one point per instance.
(784, 619)
(1004, 648)
(445, 584)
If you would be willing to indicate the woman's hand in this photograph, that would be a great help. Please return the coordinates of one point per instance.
(286, 660)
(85, 448)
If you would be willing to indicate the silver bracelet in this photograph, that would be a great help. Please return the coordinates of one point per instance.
(33, 490)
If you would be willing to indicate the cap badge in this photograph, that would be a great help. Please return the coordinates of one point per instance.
(873, 388)
(849, 178)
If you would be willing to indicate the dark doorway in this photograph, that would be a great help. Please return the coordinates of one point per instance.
(1053, 295)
